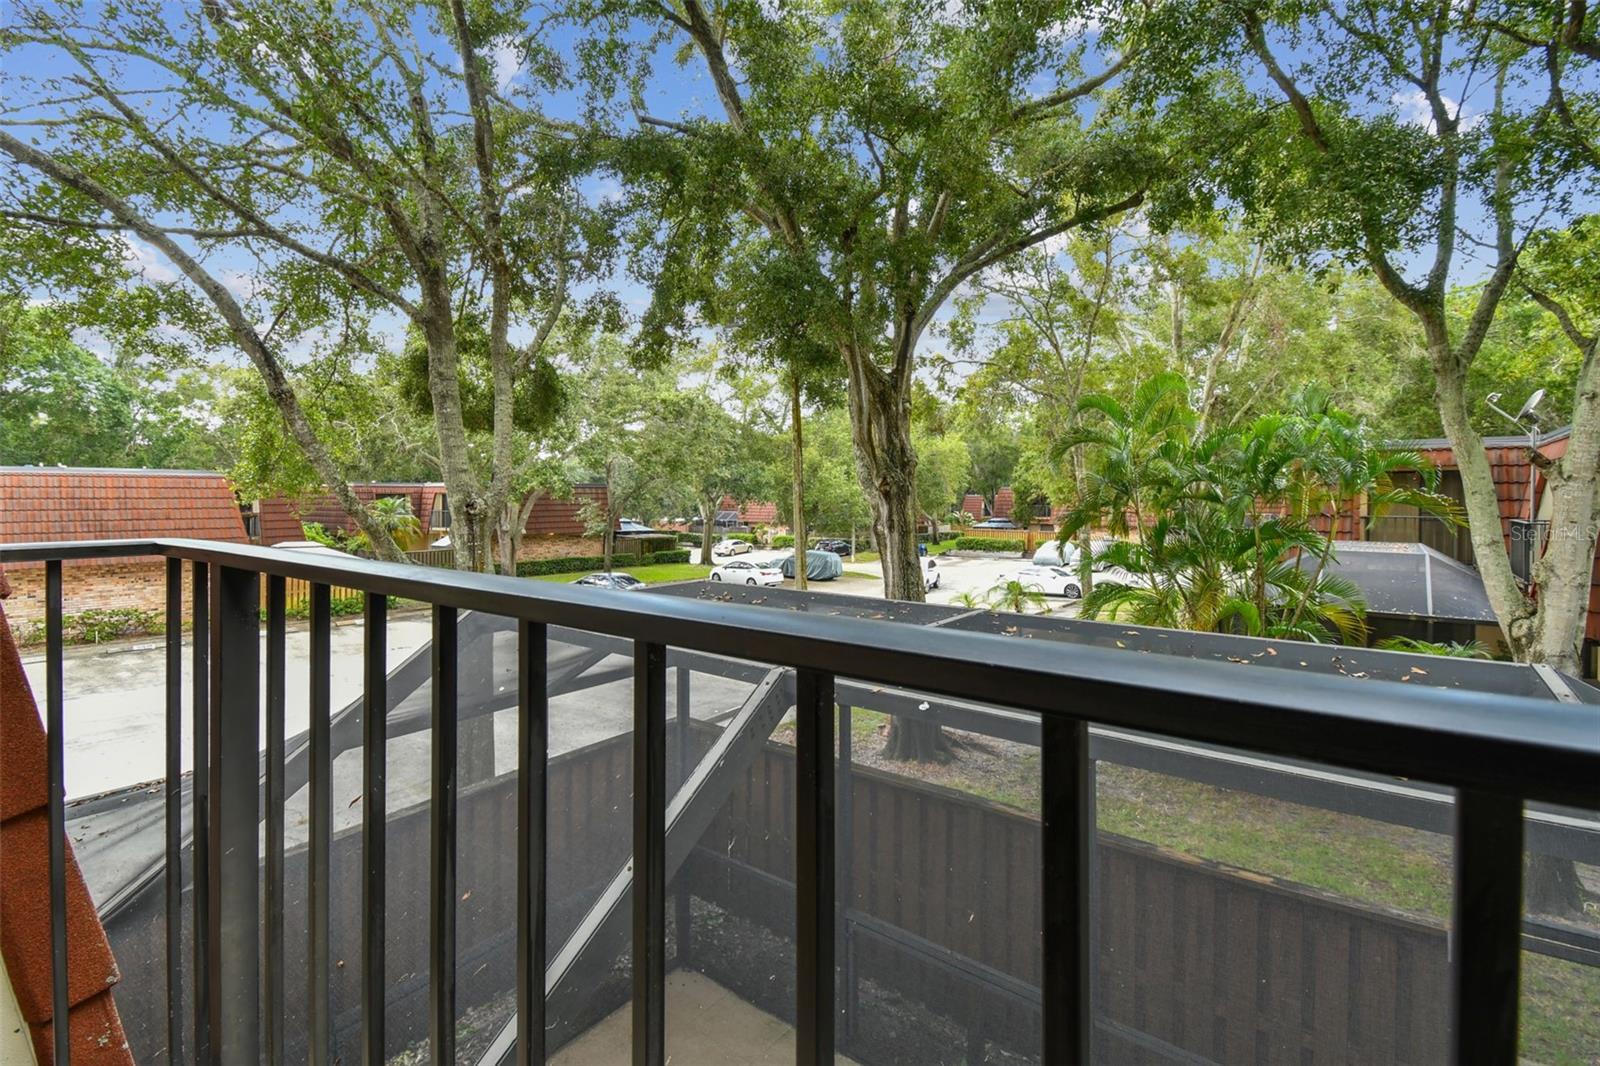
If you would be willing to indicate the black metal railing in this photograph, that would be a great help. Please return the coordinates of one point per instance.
(1496, 751)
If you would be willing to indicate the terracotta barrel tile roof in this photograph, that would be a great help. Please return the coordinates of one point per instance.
(751, 512)
(62, 503)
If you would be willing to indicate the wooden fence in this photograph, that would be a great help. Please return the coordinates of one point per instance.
(1195, 962)
(297, 593)
(443, 558)
(1194, 959)
(1031, 538)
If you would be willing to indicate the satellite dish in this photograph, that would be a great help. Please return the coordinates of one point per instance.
(1528, 408)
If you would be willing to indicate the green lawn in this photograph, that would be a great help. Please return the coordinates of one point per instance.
(1358, 858)
(933, 549)
(651, 574)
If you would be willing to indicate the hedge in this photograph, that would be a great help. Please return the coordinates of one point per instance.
(990, 544)
(783, 540)
(572, 564)
(748, 538)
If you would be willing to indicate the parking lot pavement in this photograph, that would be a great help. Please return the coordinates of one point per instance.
(957, 575)
(116, 698)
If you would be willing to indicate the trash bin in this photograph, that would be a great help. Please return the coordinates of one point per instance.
(922, 547)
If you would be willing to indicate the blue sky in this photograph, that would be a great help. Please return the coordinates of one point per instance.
(678, 91)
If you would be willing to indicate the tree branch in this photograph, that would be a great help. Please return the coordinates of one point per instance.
(1071, 93)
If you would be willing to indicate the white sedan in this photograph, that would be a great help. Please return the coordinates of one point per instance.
(745, 572)
(728, 546)
(1051, 580)
(930, 572)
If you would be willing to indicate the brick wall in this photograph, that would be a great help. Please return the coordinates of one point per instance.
(558, 547)
(85, 586)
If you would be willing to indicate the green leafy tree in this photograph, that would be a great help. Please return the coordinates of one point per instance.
(713, 456)
(943, 465)
(59, 404)
(863, 163)
(1232, 531)
(424, 188)
(1404, 133)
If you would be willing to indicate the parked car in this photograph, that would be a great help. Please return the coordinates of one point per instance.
(930, 572)
(996, 523)
(1051, 580)
(835, 545)
(1050, 553)
(820, 565)
(628, 527)
(620, 582)
(729, 546)
(745, 572)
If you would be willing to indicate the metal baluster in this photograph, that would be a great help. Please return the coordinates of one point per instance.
(374, 823)
(200, 798)
(814, 871)
(173, 797)
(442, 843)
(55, 727)
(683, 919)
(272, 1007)
(236, 739)
(649, 853)
(319, 845)
(1487, 926)
(846, 855)
(533, 743)
(1065, 782)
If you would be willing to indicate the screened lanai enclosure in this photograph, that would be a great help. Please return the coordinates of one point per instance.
(1243, 908)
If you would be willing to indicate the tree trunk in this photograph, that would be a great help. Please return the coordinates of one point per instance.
(708, 511)
(797, 424)
(1482, 502)
(1564, 573)
(886, 464)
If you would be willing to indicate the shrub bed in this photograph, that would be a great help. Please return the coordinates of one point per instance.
(783, 540)
(98, 625)
(990, 544)
(574, 563)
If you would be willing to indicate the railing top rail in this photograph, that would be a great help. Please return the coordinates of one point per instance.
(1511, 745)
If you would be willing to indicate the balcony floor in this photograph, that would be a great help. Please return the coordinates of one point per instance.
(707, 1025)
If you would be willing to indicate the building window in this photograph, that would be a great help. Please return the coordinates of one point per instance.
(440, 519)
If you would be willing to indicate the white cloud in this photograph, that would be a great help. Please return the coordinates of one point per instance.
(1415, 110)
(506, 63)
(146, 261)
(241, 283)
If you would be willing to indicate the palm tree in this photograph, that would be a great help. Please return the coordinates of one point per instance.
(1228, 522)
(393, 515)
(1017, 597)
(1470, 649)
(1136, 449)
(970, 600)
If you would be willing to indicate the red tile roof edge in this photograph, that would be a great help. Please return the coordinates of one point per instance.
(95, 1031)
